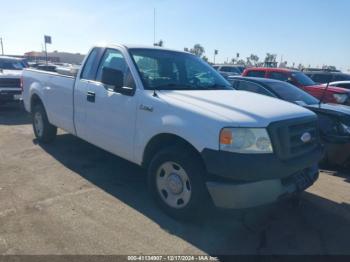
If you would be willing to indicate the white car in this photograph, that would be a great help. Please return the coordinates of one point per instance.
(10, 79)
(342, 84)
(174, 115)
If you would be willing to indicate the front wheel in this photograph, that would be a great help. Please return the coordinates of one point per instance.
(43, 130)
(176, 181)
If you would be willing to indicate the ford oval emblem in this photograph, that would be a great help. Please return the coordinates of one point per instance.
(306, 137)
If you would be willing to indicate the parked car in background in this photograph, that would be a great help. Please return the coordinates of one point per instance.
(173, 114)
(334, 120)
(330, 95)
(326, 76)
(342, 84)
(227, 70)
(45, 67)
(10, 79)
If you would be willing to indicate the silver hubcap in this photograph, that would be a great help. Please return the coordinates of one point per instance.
(173, 185)
(38, 123)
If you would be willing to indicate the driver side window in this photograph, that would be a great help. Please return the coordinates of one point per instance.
(114, 59)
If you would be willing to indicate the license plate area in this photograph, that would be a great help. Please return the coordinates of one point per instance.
(17, 97)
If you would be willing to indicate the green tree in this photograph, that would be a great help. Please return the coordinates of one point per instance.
(241, 62)
(254, 59)
(160, 43)
(270, 58)
(197, 50)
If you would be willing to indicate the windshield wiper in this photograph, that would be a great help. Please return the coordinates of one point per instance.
(171, 86)
(217, 86)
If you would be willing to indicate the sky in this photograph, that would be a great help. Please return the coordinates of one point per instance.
(311, 32)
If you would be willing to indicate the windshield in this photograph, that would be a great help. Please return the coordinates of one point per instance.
(292, 93)
(7, 64)
(170, 70)
(303, 79)
(230, 69)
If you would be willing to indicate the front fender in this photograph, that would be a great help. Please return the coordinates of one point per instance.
(188, 129)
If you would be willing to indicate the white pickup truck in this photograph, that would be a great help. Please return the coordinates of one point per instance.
(174, 115)
(10, 79)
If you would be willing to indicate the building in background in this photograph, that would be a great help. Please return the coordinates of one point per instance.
(55, 57)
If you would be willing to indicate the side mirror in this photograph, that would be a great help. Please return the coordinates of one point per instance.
(115, 78)
(290, 80)
(112, 77)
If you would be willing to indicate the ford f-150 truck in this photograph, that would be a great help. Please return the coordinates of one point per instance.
(176, 116)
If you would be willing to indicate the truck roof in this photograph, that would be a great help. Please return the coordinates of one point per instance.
(132, 46)
(271, 69)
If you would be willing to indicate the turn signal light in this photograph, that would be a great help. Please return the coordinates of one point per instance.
(226, 137)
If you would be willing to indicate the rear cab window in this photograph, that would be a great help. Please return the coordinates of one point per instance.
(322, 78)
(256, 73)
(90, 67)
(278, 76)
(229, 69)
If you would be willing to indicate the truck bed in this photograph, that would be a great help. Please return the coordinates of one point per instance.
(56, 91)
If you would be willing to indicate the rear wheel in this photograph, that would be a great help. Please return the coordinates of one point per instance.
(176, 182)
(43, 130)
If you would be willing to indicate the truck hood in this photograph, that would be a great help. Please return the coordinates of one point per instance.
(239, 108)
(331, 109)
(10, 73)
(333, 89)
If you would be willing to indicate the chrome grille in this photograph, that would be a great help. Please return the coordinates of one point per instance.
(10, 83)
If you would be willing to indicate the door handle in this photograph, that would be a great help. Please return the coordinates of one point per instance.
(90, 97)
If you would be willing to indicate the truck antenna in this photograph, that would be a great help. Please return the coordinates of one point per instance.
(154, 44)
(323, 94)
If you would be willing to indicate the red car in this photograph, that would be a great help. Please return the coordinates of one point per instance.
(332, 95)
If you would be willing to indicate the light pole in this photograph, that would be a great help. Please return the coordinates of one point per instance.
(2, 46)
(48, 40)
(215, 53)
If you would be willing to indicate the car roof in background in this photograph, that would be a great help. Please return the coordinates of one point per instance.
(271, 69)
(339, 82)
(257, 79)
(320, 70)
(325, 72)
(228, 65)
(11, 58)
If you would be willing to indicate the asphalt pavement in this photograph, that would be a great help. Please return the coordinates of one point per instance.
(71, 197)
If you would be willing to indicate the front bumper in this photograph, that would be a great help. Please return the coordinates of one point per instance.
(252, 194)
(10, 95)
(255, 167)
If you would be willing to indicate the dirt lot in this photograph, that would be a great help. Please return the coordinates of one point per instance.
(73, 198)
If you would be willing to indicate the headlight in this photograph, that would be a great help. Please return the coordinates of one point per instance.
(340, 98)
(245, 140)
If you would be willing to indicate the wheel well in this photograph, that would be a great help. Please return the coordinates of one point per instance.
(35, 100)
(162, 141)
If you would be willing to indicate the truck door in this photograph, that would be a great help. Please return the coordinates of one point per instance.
(108, 117)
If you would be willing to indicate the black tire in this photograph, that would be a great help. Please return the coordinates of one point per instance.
(195, 171)
(49, 132)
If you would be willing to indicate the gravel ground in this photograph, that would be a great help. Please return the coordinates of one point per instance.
(73, 198)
